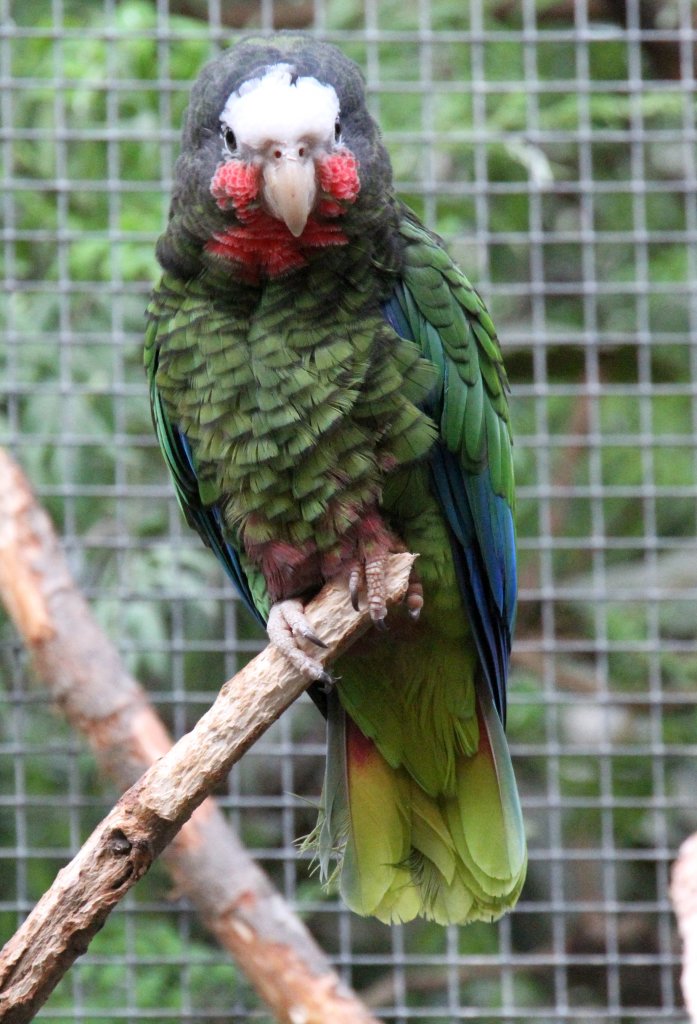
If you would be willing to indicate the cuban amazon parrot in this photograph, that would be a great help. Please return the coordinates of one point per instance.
(327, 387)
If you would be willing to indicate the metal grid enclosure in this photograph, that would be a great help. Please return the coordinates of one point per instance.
(553, 144)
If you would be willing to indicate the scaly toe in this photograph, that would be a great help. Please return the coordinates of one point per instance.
(286, 623)
(376, 589)
(415, 596)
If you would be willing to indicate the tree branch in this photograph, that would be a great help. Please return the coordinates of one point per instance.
(236, 900)
(247, 13)
(683, 892)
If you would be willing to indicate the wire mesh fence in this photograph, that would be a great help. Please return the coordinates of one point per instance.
(553, 145)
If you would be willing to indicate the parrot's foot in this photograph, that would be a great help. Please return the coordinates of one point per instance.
(371, 574)
(286, 625)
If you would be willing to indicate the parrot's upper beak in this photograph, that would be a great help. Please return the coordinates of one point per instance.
(290, 186)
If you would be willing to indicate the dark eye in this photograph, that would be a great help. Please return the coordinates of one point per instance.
(228, 138)
(337, 130)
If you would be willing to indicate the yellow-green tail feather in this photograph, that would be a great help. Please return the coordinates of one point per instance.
(454, 858)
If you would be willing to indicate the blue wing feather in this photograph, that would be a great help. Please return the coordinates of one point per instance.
(480, 520)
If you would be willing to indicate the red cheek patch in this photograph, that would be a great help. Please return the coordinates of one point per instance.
(235, 185)
(338, 177)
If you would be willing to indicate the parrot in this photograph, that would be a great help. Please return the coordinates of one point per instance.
(327, 389)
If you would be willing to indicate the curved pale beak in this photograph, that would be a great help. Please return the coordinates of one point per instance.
(290, 187)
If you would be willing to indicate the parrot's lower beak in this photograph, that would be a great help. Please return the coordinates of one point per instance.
(290, 187)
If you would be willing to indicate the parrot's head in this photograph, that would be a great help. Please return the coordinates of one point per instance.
(280, 159)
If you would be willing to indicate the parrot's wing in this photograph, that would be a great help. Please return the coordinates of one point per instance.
(471, 466)
(205, 518)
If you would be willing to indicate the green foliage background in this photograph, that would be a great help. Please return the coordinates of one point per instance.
(604, 411)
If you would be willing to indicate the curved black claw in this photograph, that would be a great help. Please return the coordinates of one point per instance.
(354, 588)
(309, 635)
(326, 682)
(381, 625)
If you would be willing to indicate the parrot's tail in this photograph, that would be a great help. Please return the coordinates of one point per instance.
(455, 858)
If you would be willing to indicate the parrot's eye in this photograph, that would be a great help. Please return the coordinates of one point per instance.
(228, 138)
(337, 130)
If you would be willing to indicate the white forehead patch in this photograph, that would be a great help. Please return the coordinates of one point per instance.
(274, 108)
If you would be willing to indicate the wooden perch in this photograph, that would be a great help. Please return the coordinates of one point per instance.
(245, 14)
(683, 892)
(81, 667)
